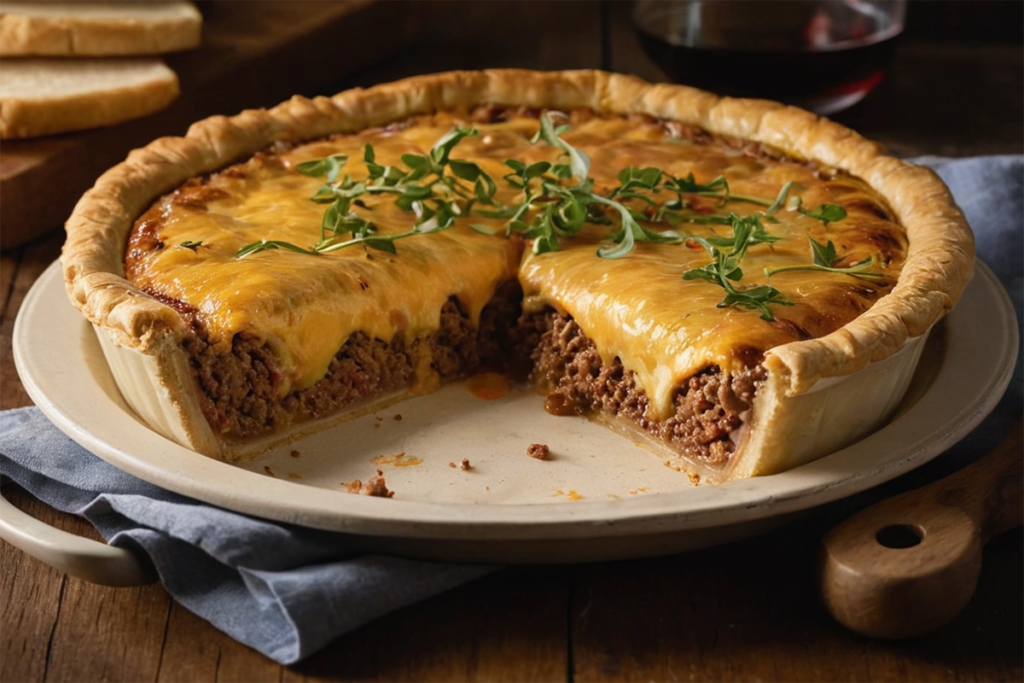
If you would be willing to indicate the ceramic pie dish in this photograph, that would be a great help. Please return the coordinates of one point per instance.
(824, 364)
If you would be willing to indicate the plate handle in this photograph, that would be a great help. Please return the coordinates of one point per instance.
(82, 557)
(907, 565)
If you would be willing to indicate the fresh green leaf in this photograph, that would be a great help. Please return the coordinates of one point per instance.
(579, 162)
(466, 170)
(824, 254)
(536, 170)
(269, 245)
(416, 162)
(329, 166)
(825, 260)
(780, 200)
(826, 213)
(381, 244)
(443, 147)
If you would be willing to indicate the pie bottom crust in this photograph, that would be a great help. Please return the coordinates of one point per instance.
(819, 395)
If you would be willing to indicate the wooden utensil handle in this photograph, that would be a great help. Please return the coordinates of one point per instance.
(909, 564)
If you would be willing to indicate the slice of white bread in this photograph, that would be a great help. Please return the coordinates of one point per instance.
(44, 96)
(97, 28)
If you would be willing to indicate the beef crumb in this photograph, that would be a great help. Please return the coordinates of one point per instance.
(374, 486)
(464, 465)
(398, 417)
(451, 464)
(539, 451)
(294, 454)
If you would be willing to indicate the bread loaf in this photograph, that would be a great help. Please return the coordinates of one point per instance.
(97, 28)
(45, 96)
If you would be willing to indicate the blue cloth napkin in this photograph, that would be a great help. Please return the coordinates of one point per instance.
(287, 591)
(990, 190)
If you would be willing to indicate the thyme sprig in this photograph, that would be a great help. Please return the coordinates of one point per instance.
(724, 269)
(547, 209)
(560, 210)
(826, 260)
(826, 213)
(551, 207)
(189, 244)
(644, 185)
(435, 187)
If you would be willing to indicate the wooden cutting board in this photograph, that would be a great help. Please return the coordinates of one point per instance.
(907, 565)
(253, 54)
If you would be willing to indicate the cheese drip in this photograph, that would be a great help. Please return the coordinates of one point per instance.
(637, 308)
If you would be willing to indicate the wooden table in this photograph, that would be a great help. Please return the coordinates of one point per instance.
(746, 611)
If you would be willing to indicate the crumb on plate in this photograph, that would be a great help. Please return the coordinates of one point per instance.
(540, 451)
(374, 486)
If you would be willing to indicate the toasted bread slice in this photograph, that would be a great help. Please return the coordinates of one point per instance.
(45, 96)
(97, 28)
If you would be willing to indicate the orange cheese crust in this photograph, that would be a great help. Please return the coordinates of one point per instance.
(637, 308)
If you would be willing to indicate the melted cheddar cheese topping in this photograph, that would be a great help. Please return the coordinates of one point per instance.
(637, 308)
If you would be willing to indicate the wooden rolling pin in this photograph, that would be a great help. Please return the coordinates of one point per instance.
(908, 565)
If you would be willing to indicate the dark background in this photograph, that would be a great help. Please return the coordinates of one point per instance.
(953, 55)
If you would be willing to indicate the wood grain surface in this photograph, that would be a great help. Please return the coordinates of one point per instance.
(744, 611)
(247, 59)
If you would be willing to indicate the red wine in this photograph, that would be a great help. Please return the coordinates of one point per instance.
(823, 54)
(824, 80)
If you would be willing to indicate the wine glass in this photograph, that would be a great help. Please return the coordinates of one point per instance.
(823, 55)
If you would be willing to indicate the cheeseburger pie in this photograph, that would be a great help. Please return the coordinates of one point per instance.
(743, 284)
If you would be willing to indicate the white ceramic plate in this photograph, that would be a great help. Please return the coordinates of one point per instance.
(600, 497)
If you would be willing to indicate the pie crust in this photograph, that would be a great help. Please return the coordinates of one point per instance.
(819, 395)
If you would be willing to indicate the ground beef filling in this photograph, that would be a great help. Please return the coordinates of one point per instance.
(240, 390)
(708, 407)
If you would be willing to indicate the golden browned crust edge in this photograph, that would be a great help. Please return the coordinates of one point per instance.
(22, 35)
(33, 117)
(939, 260)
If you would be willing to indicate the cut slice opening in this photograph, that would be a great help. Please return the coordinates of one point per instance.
(241, 389)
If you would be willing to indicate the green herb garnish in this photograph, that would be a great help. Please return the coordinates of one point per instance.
(557, 210)
(725, 268)
(825, 259)
(435, 187)
(556, 201)
(826, 213)
(189, 244)
(329, 166)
